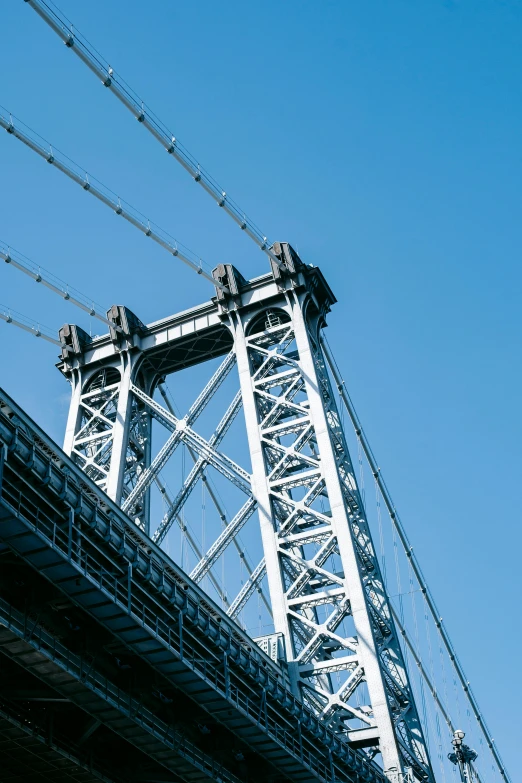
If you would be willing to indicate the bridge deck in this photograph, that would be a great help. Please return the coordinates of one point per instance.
(107, 621)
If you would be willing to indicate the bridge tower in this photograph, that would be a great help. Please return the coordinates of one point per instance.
(108, 428)
(326, 589)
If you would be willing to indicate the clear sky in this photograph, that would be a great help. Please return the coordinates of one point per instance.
(382, 139)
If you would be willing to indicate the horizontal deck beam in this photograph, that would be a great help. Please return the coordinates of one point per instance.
(64, 526)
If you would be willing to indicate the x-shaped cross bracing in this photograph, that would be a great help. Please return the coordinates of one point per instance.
(226, 466)
(195, 410)
(197, 471)
(322, 564)
(181, 431)
(92, 443)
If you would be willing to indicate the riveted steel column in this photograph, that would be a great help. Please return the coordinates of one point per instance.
(340, 524)
(120, 431)
(260, 490)
(73, 417)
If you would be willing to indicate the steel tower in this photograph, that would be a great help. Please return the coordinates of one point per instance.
(326, 589)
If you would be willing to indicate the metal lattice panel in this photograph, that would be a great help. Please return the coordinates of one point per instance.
(327, 596)
(330, 600)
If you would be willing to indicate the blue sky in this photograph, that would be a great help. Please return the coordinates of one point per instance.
(383, 141)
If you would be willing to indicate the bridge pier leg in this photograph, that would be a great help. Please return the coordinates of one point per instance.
(326, 589)
(108, 429)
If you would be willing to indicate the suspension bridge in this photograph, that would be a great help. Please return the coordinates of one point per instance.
(127, 652)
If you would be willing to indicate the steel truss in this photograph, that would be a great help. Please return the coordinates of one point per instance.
(327, 593)
(326, 590)
(170, 446)
(100, 408)
(68, 532)
(95, 414)
(199, 472)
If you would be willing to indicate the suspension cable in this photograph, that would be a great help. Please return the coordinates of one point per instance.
(408, 549)
(78, 44)
(41, 275)
(192, 542)
(28, 325)
(106, 196)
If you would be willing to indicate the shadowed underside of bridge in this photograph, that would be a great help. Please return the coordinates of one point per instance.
(114, 665)
(26, 756)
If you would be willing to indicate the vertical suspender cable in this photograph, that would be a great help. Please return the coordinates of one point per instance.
(341, 386)
(193, 544)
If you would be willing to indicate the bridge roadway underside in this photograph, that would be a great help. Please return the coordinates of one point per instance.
(114, 666)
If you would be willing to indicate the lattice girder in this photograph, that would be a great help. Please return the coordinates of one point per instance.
(327, 593)
(108, 431)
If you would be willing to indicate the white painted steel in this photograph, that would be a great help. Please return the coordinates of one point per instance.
(328, 598)
(221, 543)
(248, 588)
(326, 592)
(197, 472)
(148, 475)
(230, 469)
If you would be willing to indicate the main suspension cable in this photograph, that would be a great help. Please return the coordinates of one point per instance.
(28, 325)
(78, 44)
(105, 195)
(408, 549)
(41, 275)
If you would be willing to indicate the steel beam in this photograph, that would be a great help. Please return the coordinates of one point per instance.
(326, 591)
(35, 742)
(322, 572)
(221, 543)
(197, 472)
(115, 573)
(220, 510)
(193, 544)
(195, 410)
(227, 467)
(247, 590)
(69, 673)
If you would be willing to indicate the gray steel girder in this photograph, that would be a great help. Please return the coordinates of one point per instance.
(64, 526)
(326, 590)
(80, 682)
(327, 593)
(195, 410)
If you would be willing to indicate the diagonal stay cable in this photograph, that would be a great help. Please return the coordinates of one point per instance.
(97, 64)
(105, 195)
